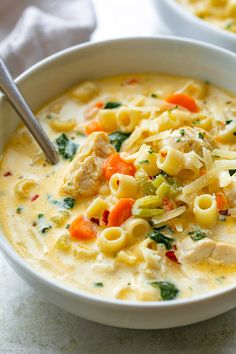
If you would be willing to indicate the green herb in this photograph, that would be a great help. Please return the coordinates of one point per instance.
(178, 140)
(80, 134)
(67, 226)
(99, 285)
(172, 109)
(197, 235)
(19, 210)
(168, 290)
(153, 95)
(66, 147)
(141, 162)
(49, 116)
(182, 132)
(158, 237)
(196, 122)
(43, 227)
(228, 121)
(228, 26)
(117, 139)
(150, 151)
(201, 135)
(111, 105)
(68, 203)
(232, 172)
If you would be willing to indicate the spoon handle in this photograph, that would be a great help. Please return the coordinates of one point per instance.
(9, 88)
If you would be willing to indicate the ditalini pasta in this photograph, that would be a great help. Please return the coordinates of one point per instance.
(221, 13)
(142, 203)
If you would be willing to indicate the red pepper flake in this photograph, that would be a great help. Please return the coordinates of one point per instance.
(168, 204)
(95, 220)
(171, 256)
(8, 173)
(105, 216)
(224, 212)
(132, 81)
(34, 197)
(163, 154)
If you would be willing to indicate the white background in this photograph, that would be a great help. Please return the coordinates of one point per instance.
(28, 324)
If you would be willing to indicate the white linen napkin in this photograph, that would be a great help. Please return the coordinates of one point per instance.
(30, 30)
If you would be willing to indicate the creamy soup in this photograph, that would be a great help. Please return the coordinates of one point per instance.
(142, 203)
(221, 13)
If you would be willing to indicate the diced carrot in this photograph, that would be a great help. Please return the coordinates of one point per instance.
(121, 212)
(183, 100)
(82, 229)
(221, 201)
(93, 127)
(115, 164)
(99, 104)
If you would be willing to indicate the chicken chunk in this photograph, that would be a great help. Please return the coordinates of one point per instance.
(83, 178)
(85, 173)
(97, 144)
(195, 251)
(189, 139)
(230, 192)
(224, 253)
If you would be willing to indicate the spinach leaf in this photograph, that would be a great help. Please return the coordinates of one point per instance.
(111, 105)
(232, 172)
(117, 139)
(68, 203)
(197, 235)
(167, 289)
(66, 147)
(43, 226)
(158, 237)
(99, 285)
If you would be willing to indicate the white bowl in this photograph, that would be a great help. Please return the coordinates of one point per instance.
(182, 22)
(59, 72)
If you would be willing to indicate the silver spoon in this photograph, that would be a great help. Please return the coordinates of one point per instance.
(9, 88)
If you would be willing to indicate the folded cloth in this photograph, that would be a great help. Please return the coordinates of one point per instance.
(42, 28)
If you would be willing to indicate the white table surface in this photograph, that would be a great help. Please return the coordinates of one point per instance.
(29, 324)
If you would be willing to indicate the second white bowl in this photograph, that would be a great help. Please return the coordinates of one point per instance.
(182, 22)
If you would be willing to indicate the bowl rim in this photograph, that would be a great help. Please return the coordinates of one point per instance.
(198, 21)
(13, 257)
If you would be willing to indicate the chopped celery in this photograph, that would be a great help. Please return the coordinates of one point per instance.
(163, 190)
(147, 213)
(148, 202)
(158, 181)
(145, 184)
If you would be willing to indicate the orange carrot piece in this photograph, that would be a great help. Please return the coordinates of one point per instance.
(99, 104)
(93, 127)
(82, 229)
(121, 212)
(183, 100)
(115, 164)
(221, 201)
